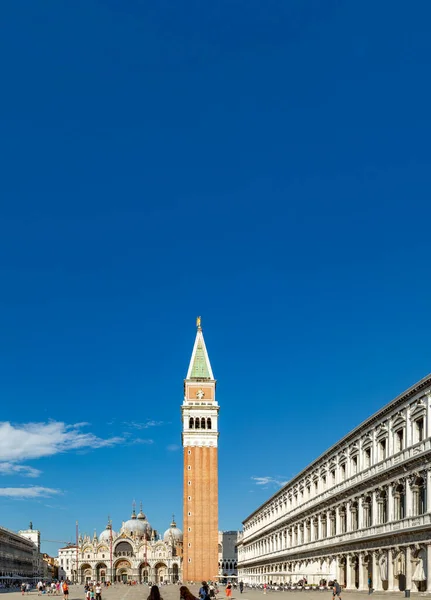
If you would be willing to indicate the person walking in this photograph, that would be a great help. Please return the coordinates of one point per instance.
(336, 590)
(264, 588)
(229, 590)
(241, 586)
(98, 591)
(204, 591)
(65, 590)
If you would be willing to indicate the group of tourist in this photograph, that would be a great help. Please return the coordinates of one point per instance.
(54, 588)
(93, 592)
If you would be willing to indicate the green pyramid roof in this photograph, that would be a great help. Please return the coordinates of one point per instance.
(200, 365)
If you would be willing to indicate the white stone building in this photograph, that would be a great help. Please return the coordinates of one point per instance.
(18, 558)
(228, 553)
(135, 554)
(34, 536)
(362, 509)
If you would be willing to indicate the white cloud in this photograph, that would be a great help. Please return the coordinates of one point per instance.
(142, 441)
(29, 492)
(7, 468)
(35, 440)
(146, 425)
(275, 481)
(173, 447)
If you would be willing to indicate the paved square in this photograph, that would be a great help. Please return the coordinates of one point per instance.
(172, 592)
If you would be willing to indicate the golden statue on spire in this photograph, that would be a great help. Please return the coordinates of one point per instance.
(198, 322)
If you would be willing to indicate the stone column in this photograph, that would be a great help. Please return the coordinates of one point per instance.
(319, 526)
(408, 499)
(365, 510)
(361, 568)
(348, 516)
(408, 431)
(428, 488)
(427, 419)
(350, 584)
(391, 556)
(360, 514)
(415, 500)
(390, 441)
(408, 568)
(428, 572)
(379, 516)
(390, 503)
(337, 521)
(373, 519)
(377, 582)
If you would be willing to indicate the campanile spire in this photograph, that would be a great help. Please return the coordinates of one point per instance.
(200, 439)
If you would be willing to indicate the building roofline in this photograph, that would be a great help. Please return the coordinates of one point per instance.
(411, 391)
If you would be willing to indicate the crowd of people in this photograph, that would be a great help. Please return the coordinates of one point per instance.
(56, 588)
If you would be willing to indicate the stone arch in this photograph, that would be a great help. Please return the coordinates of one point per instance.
(160, 572)
(86, 572)
(123, 548)
(122, 570)
(144, 572)
(101, 572)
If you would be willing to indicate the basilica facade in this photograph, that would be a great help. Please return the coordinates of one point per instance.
(360, 513)
(136, 553)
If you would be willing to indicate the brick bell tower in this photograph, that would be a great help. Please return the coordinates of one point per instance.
(200, 436)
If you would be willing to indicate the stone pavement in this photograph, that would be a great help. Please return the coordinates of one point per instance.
(172, 592)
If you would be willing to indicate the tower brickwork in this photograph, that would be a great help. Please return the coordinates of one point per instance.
(200, 438)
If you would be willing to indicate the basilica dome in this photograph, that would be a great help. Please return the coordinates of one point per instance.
(173, 534)
(105, 536)
(137, 525)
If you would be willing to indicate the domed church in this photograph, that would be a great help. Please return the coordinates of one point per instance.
(136, 553)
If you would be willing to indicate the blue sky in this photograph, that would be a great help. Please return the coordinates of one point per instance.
(265, 165)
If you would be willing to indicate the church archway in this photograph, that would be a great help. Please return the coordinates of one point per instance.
(161, 573)
(144, 572)
(123, 549)
(86, 573)
(101, 571)
(123, 571)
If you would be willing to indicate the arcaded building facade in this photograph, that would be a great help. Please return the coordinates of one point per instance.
(200, 440)
(362, 509)
(17, 556)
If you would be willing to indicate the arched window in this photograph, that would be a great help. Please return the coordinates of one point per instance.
(208, 423)
(191, 423)
(202, 423)
(197, 423)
